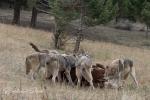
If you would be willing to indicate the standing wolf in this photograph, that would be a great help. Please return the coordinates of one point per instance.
(83, 69)
(58, 63)
(118, 71)
(34, 62)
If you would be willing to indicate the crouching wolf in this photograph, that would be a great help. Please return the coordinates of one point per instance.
(118, 71)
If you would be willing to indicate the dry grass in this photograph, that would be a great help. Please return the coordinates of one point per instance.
(14, 84)
(122, 37)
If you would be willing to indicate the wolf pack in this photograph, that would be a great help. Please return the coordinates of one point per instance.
(79, 69)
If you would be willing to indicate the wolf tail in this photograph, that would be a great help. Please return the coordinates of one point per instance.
(28, 65)
(34, 47)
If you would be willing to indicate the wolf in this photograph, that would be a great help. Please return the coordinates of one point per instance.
(58, 63)
(42, 51)
(83, 69)
(118, 71)
(34, 62)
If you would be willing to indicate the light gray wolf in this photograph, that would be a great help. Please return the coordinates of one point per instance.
(83, 69)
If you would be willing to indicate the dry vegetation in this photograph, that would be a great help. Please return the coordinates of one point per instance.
(14, 84)
(122, 37)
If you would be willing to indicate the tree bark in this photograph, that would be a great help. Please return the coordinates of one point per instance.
(57, 40)
(147, 32)
(17, 8)
(120, 11)
(77, 45)
(55, 34)
(34, 17)
(79, 35)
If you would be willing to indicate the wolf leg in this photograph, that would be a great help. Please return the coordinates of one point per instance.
(79, 76)
(133, 75)
(67, 73)
(55, 74)
(88, 76)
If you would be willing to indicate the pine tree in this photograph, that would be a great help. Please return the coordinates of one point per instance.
(99, 11)
(64, 13)
(17, 8)
(146, 16)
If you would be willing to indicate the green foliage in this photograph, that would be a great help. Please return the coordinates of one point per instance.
(125, 8)
(31, 3)
(146, 13)
(21, 2)
(108, 13)
(137, 7)
(99, 11)
(96, 11)
(62, 16)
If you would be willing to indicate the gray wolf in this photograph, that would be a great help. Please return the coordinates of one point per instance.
(97, 73)
(83, 69)
(34, 62)
(118, 71)
(58, 63)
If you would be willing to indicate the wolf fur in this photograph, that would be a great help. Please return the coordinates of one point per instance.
(119, 70)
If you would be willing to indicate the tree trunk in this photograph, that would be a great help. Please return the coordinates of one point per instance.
(146, 34)
(57, 41)
(79, 37)
(17, 8)
(34, 17)
(0, 4)
(116, 19)
(120, 10)
(77, 45)
(56, 35)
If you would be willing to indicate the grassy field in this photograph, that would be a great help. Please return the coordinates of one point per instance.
(14, 84)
